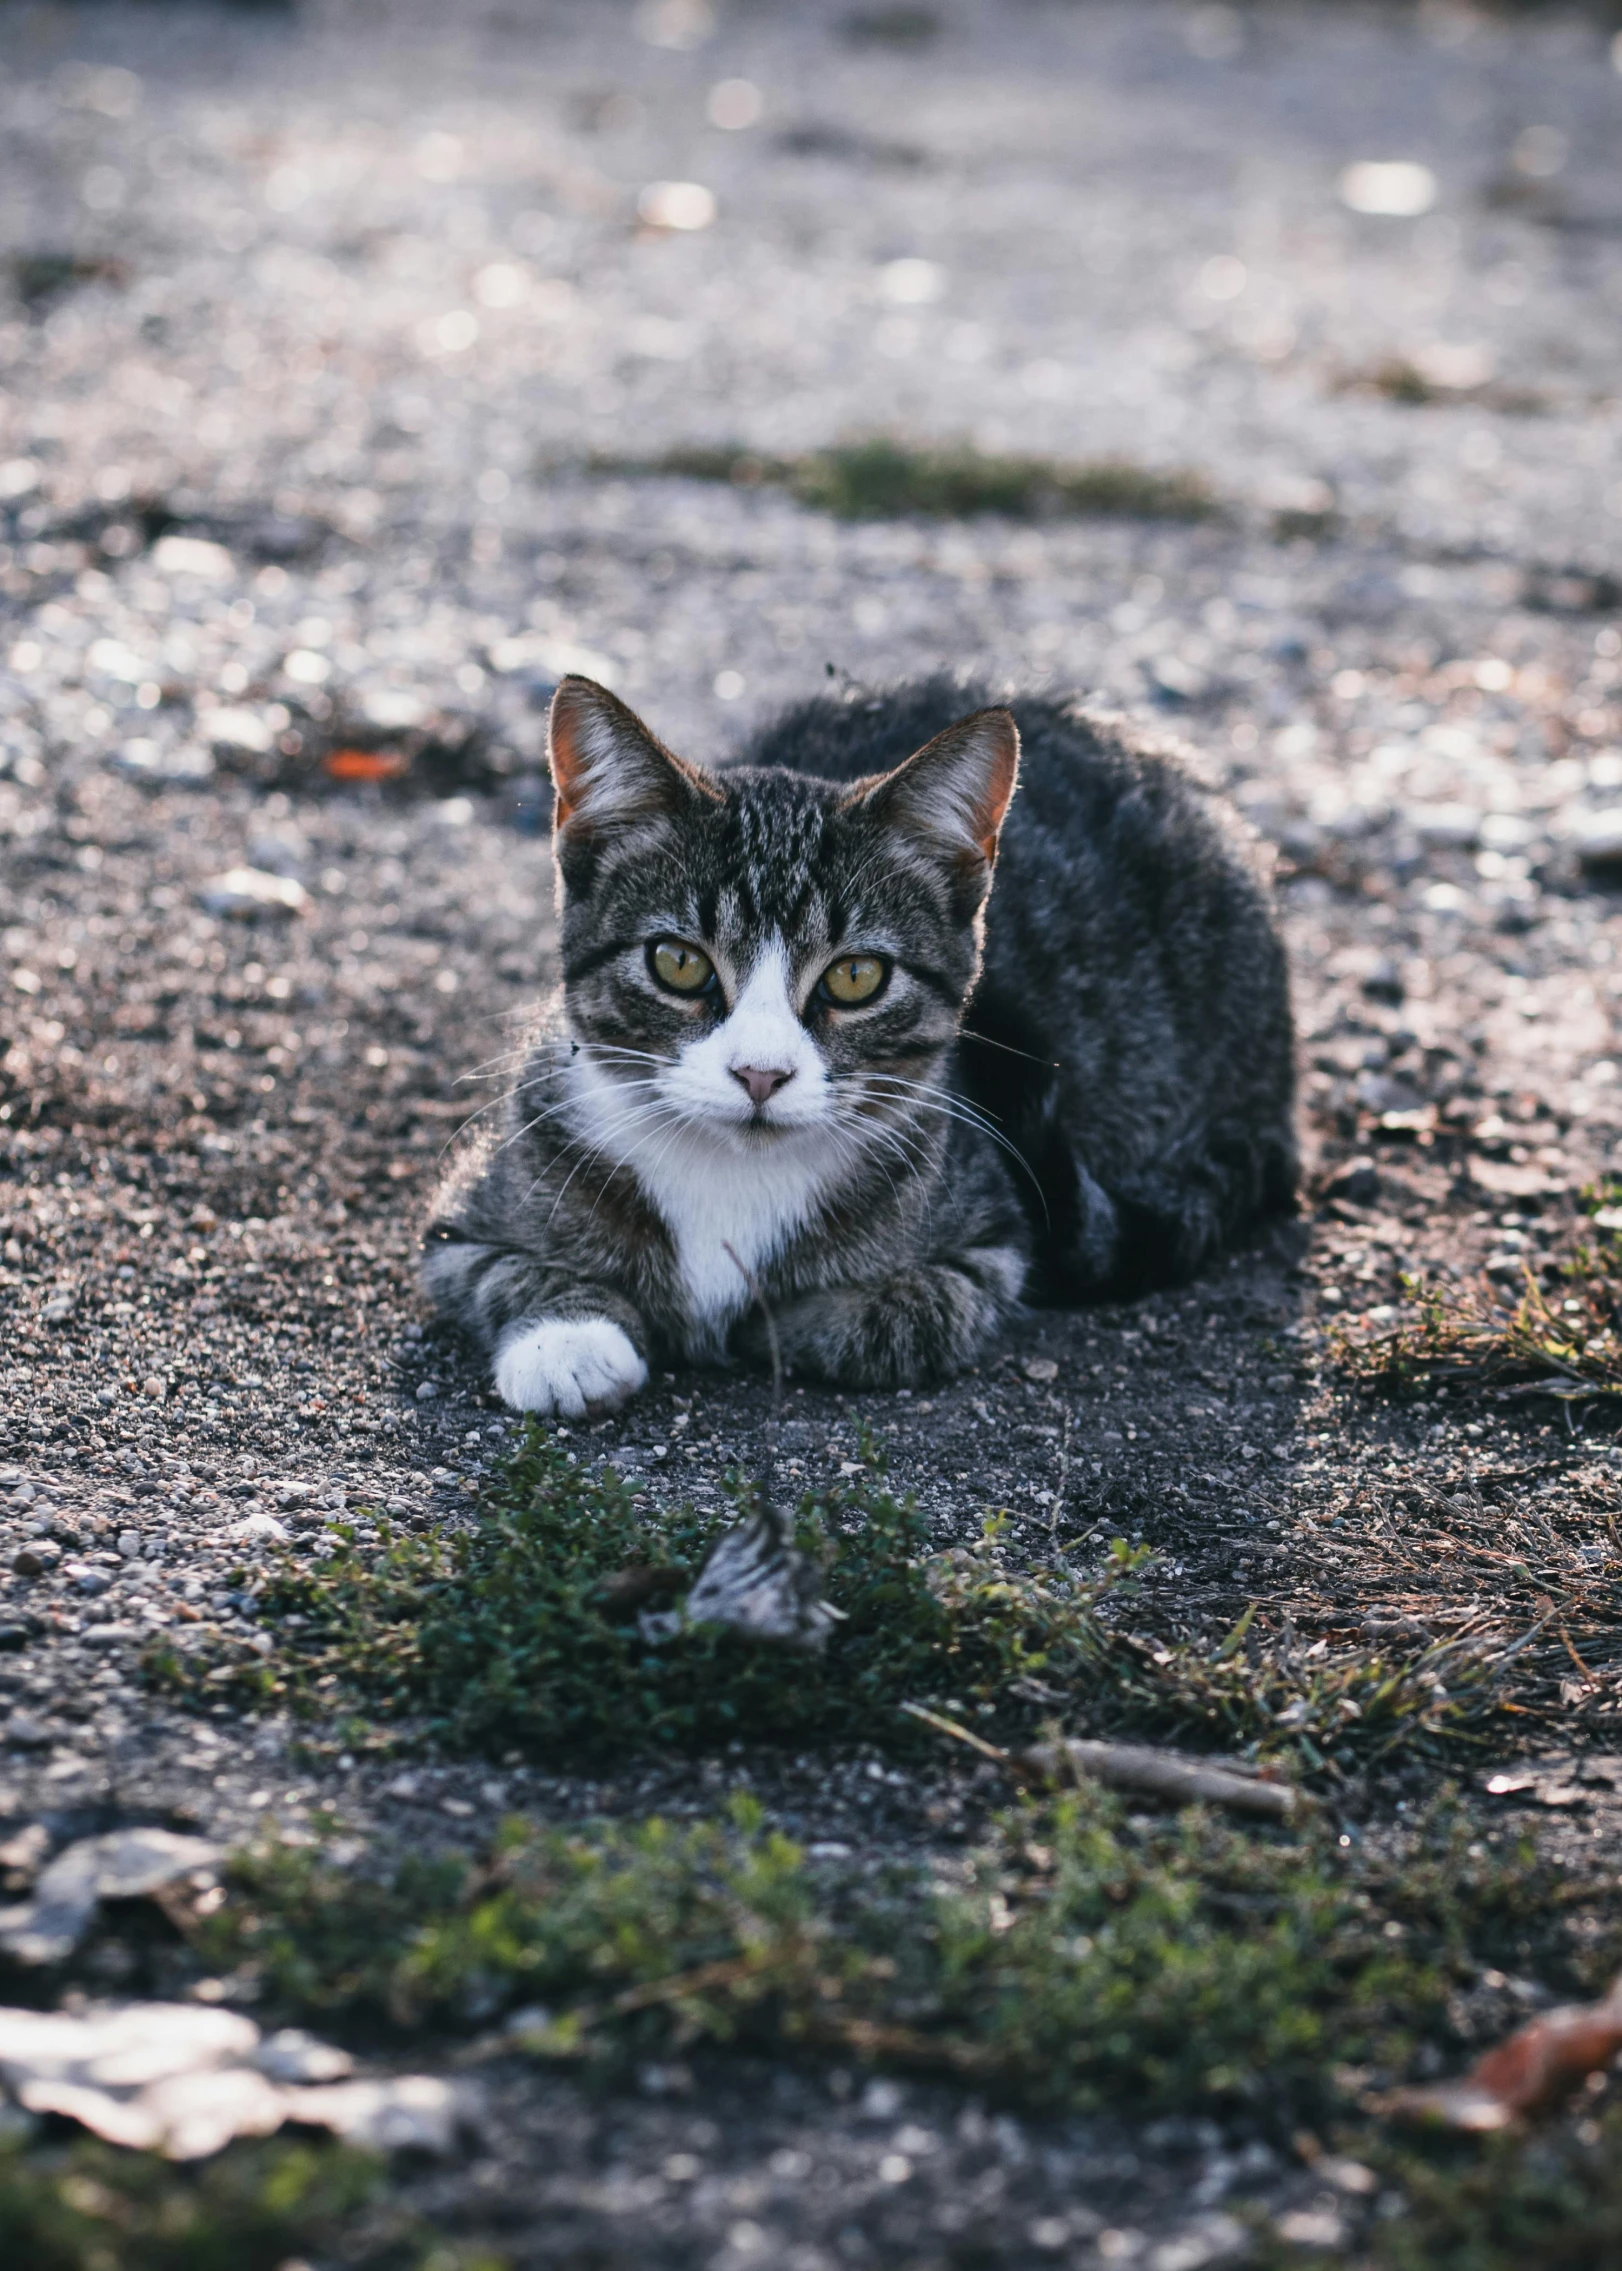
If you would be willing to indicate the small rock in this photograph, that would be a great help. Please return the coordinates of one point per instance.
(36, 1560)
(291, 2055)
(25, 1733)
(250, 891)
(1445, 826)
(154, 1387)
(193, 556)
(426, 1391)
(264, 1527)
(278, 855)
(169, 766)
(1599, 842)
(109, 1635)
(1357, 1182)
(1384, 981)
(12, 1638)
(1040, 1368)
(129, 1544)
(239, 729)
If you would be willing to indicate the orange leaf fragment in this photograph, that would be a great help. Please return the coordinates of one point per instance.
(365, 764)
(1532, 2072)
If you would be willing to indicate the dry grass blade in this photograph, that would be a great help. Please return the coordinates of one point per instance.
(1565, 1344)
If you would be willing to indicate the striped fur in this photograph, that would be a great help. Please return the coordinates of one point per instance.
(1084, 1092)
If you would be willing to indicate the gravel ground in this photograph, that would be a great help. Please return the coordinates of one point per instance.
(313, 323)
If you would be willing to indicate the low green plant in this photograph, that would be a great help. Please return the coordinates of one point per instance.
(1084, 1955)
(1551, 2202)
(878, 477)
(254, 2207)
(1564, 1336)
(513, 1632)
(1548, 2200)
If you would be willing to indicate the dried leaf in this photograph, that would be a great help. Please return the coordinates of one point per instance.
(183, 2079)
(365, 764)
(411, 2113)
(1532, 2072)
(126, 1864)
(756, 1582)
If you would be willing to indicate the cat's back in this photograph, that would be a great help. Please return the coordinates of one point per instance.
(1089, 795)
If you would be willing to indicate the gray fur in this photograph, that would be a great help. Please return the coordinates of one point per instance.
(1111, 1105)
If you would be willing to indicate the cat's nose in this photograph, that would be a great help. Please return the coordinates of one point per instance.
(762, 1081)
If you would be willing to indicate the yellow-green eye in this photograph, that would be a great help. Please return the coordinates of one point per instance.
(854, 978)
(684, 969)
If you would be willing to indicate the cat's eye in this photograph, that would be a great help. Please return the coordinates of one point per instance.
(680, 968)
(854, 978)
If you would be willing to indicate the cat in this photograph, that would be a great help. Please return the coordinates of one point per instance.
(802, 1040)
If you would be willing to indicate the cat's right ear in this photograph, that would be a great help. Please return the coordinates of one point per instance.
(607, 768)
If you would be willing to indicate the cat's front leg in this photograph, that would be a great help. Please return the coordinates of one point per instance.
(559, 1345)
(901, 1331)
(567, 1367)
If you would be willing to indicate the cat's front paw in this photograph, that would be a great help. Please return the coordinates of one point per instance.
(568, 1367)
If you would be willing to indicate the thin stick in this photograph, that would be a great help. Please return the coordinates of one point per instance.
(1131, 1766)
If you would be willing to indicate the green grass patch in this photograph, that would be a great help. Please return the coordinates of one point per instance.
(1561, 1332)
(1551, 2203)
(881, 478)
(1086, 1955)
(515, 1633)
(254, 2207)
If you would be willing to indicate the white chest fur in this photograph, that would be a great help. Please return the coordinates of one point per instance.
(712, 1188)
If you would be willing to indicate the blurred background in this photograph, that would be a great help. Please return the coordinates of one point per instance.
(371, 278)
(369, 363)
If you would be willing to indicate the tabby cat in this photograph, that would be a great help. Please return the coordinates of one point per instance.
(801, 1038)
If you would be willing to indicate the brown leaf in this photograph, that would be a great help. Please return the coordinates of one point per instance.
(365, 764)
(1532, 2072)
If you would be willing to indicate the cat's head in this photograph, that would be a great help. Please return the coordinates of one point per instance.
(758, 951)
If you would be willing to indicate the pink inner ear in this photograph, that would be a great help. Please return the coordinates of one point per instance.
(956, 789)
(607, 766)
(575, 708)
(999, 790)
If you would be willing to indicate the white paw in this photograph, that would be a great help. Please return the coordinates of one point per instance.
(565, 1369)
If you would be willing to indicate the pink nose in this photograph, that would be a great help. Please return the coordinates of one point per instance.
(762, 1081)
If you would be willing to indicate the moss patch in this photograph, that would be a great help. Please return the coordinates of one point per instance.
(523, 1632)
(881, 478)
(520, 1631)
(254, 2207)
(1085, 1955)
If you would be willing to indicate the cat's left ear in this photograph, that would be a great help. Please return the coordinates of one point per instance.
(607, 767)
(951, 795)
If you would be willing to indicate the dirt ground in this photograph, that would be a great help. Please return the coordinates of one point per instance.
(313, 322)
